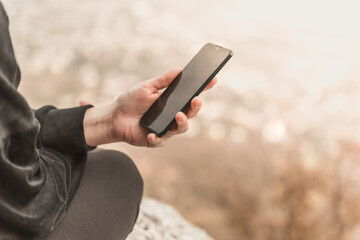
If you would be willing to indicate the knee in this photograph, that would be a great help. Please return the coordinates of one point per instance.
(119, 171)
(122, 171)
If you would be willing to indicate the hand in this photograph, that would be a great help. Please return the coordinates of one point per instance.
(120, 121)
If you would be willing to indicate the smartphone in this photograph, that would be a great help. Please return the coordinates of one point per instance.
(177, 97)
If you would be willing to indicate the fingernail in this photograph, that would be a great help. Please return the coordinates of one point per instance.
(182, 119)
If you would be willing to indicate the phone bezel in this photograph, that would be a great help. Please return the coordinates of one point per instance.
(167, 128)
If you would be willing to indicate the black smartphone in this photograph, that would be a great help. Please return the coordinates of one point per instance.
(177, 97)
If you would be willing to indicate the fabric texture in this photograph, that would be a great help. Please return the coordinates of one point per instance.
(110, 214)
(42, 154)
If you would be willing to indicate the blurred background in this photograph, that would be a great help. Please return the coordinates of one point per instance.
(275, 151)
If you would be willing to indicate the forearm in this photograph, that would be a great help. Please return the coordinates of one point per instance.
(98, 125)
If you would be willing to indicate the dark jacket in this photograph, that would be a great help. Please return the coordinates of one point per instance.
(42, 154)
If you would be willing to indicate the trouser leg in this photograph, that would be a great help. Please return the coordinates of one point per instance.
(106, 204)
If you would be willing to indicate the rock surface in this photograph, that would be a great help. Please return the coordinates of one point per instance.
(159, 221)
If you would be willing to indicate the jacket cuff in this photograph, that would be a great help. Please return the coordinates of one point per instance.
(63, 130)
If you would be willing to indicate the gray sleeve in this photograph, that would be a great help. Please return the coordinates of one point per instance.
(41, 160)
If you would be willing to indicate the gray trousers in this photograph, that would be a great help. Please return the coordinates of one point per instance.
(106, 204)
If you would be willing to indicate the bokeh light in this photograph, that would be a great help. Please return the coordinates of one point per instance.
(274, 152)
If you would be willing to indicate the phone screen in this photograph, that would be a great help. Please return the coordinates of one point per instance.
(188, 84)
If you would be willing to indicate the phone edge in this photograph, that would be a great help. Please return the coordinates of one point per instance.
(167, 128)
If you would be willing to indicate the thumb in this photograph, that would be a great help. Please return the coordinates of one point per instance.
(165, 80)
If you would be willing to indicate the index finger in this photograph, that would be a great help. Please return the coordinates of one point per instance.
(211, 84)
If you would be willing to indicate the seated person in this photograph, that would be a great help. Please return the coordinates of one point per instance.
(51, 186)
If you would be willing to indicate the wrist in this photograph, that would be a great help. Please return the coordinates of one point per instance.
(99, 125)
